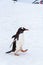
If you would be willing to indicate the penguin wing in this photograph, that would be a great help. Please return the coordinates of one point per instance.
(13, 36)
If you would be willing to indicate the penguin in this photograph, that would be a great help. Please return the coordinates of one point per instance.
(18, 41)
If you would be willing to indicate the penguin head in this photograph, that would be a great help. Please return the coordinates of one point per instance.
(21, 30)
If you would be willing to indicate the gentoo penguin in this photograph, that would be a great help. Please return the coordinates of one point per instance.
(18, 41)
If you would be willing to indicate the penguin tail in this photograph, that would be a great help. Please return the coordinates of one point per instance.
(9, 51)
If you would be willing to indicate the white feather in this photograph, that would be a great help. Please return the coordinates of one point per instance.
(20, 42)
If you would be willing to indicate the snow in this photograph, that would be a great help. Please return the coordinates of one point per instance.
(12, 16)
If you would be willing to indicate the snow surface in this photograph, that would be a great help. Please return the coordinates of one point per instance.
(12, 16)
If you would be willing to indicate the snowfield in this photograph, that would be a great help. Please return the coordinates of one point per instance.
(12, 16)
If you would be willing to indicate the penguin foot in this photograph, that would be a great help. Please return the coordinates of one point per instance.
(24, 50)
(16, 54)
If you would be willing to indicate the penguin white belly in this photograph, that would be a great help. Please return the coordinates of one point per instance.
(20, 42)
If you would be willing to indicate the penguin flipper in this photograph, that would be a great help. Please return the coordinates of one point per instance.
(13, 36)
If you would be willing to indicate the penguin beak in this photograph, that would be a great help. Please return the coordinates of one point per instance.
(26, 29)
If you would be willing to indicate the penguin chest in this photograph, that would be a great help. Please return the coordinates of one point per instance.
(20, 42)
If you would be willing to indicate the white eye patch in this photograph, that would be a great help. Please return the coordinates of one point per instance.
(22, 28)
